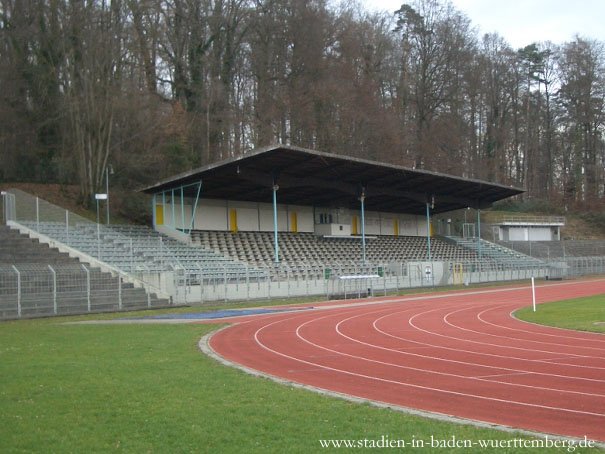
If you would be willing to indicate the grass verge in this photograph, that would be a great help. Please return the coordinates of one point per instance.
(584, 314)
(148, 389)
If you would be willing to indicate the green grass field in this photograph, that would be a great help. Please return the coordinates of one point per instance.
(584, 314)
(148, 389)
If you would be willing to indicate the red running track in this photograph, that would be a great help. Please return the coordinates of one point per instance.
(460, 354)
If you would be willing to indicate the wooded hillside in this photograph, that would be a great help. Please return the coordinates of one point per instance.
(155, 87)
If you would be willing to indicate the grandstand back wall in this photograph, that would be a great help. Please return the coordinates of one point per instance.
(230, 215)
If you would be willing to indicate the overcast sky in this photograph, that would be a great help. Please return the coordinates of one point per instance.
(522, 22)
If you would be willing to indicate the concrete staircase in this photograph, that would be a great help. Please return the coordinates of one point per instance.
(17, 248)
(30, 287)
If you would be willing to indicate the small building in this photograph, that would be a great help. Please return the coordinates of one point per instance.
(529, 228)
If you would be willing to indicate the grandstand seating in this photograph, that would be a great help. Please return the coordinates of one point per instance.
(31, 259)
(493, 252)
(298, 249)
(140, 249)
(221, 254)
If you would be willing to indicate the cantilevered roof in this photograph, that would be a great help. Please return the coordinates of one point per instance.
(309, 177)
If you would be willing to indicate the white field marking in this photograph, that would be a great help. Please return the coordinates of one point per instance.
(492, 355)
(481, 343)
(409, 385)
(558, 362)
(446, 317)
(503, 375)
(479, 378)
(532, 332)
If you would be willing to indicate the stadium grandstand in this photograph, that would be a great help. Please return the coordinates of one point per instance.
(279, 221)
(39, 280)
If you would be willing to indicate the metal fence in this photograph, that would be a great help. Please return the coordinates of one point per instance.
(43, 290)
(573, 267)
(64, 289)
(553, 250)
(350, 282)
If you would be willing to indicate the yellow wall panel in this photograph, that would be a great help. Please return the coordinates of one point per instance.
(159, 215)
(233, 221)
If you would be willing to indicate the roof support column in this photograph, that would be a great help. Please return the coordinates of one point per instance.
(153, 208)
(275, 188)
(428, 229)
(173, 216)
(182, 211)
(164, 205)
(479, 233)
(363, 227)
(194, 210)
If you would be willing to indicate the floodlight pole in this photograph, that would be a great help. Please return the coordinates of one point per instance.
(98, 232)
(107, 191)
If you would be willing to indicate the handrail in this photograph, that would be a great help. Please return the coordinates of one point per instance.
(528, 219)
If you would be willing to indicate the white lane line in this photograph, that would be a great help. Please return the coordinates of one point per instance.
(410, 322)
(409, 385)
(490, 355)
(511, 371)
(446, 321)
(562, 336)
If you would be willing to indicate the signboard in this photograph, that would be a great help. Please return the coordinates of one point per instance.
(428, 272)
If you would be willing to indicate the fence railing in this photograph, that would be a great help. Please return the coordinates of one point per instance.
(64, 289)
(93, 243)
(46, 290)
(335, 281)
(550, 250)
(50, 290)
(526, 219)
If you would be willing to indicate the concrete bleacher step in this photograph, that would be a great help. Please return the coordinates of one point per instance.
(32, 259)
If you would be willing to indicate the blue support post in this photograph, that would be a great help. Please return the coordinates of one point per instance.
(275, 188)
(479, 233)
(182, 211)
(428, 229)
(153, 210)
(197, 198)
(363, 228)
(173, 216)
(164, 206)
